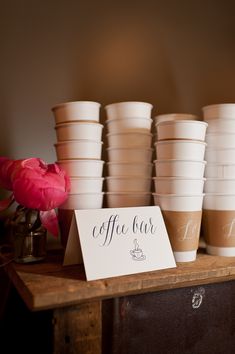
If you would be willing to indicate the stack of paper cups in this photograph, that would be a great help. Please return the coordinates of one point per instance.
(179, 166)
(79, 151)
(129, 152)
(219, 202)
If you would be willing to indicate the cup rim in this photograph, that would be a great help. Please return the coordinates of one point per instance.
(109, 120)
(78, 122)
(181, 121)
(172, 178)
(176, 114)
(121, 103)
(87, 178)
(129, 133)
(204, 162)
(59, 105)
(130, 148)
(180, 141)
(130, 163)
(216, 105)
(128, 178)
(219, 195)
(80, 160)
(178, 195)
(129, 193)
(78, 141)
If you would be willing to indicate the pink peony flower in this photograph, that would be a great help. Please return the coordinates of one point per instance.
(35, 185)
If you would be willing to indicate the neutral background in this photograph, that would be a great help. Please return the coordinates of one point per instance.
(178, 55)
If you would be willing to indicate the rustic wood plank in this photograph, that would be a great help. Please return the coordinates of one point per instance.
(50, 285)
(78, 329)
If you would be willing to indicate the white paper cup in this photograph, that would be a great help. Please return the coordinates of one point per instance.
(128, 184)
(137, 124)
(179, 168)
(223, 110)
(79, 130)
(220, 140)
(180, 149)
(185, 256)
(78, 110)
(178, 185)
(181, 129)
(79, 149)
(177, 202)
(214, 170)
(130, 155)
(219, 201)
(83, 201)
(129, 169)
(220, 251)
(221, 126)
(226, 156)
(129, 139)
(128, 110)
(174, 116)
(82, 168)
(119, 200)
(220, 185)
(86, 185)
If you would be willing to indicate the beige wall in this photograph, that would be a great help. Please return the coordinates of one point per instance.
(178, 55)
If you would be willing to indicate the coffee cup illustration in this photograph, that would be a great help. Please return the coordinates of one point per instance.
(137, 252)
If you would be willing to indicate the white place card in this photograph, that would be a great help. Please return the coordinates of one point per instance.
(119, 241)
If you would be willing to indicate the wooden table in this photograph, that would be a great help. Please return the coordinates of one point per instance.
(77, 304)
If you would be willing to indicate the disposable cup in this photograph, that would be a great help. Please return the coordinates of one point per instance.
(79, 149)
(222, 170)
(86, 185)
(128, 110)
(214, 155)
(182, 215)
(178, 185)
(129, 169)
(179, 168)
(137, 124)
(129, 139)
(218, 227)
(83, 201)
(125, 199)
(220, 140)
(82, 168)
(223, 110)
(79, 130)
(221, 126)
(219, 201)
(77, 110)
(180, 149)
(220, 185)
(179, 202)
(128, 184)
(130, 155)
(174, 116)
(181, 129)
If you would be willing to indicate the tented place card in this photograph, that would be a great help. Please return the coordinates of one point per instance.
(119, 241)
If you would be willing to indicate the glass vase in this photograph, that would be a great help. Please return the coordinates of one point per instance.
(28, 236)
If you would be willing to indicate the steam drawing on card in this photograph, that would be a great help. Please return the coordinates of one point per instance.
(137, 253)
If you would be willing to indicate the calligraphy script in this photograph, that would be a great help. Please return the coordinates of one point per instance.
(113, 227)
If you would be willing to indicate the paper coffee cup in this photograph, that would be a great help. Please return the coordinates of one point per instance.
(219, 201)
(216, 155)
(220, 140)
(125, 199)
(181, 129)
(222, 111)
(129, 169)
(180, 149)
(179, 202)
(83, 201)
(179, 168)
(128, 110)
(219, 231)
(135, 124)
(77, 110)
(86, 185)
(79, 149)
(178, 185)
(130, 139)
(221, 126)
(128, 184)
(82, 168)
(214, 170)
(174, 116)
(220, 185)
(130, 155)
(79, 130)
